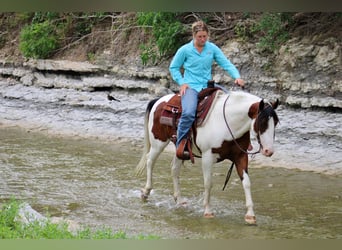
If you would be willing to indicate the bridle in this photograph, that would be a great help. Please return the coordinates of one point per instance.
(231, 133)
(235, 141)
(237, 144)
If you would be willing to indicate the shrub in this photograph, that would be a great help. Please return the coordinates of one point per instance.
(167, 34)
(38, 40)
(273, 28)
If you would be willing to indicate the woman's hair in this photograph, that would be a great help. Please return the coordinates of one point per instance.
(199, 26)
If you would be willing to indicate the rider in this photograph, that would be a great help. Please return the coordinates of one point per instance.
(196, 58)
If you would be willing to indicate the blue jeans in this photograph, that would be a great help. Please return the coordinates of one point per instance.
(189, 107)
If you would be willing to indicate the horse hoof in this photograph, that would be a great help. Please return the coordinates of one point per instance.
(183, 204)
(144, 197)
(209, 215)
(250, 220)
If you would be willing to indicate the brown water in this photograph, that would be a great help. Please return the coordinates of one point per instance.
(93, 183)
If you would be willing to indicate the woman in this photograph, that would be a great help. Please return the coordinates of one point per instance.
(196, 57)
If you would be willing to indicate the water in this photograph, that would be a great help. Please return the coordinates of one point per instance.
(92, 183)
(72, 154)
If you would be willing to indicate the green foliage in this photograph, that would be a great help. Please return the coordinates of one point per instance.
(10, 228)
(81, 24)
(273, 30)
(245, 30)
(148, 54)
(167, 34)
(49, 230)
(40, 17)
(270, 31)
(48, 31)
(38, 40)
(91, 57)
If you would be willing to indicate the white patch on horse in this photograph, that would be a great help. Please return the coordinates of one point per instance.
(267, 139)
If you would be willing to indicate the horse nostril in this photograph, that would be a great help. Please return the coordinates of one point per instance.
(268, 152)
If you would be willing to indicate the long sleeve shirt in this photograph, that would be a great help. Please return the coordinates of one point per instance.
(198, 66)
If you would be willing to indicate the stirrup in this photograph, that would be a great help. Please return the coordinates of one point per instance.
(181, 151)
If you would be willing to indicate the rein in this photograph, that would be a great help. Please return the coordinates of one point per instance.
(231, 133)
(237, 144)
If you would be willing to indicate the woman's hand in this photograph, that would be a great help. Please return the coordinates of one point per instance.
(240, 82)
(183, 89)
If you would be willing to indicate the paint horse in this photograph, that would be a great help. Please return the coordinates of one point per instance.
(225, 134)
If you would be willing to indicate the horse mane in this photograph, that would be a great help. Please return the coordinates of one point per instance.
(269, 111)
(150, 105)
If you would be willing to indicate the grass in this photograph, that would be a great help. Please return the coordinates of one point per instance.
(12, 228)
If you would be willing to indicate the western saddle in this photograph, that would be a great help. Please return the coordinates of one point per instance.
(171, 114)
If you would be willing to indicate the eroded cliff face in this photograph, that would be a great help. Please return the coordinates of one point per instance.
(302, 73)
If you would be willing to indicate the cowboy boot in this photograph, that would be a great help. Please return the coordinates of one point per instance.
(181, 151)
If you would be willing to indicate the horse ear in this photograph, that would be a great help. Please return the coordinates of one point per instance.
(275, 104)
(261, 105)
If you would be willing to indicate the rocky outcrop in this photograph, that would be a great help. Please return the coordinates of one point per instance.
(301, 74)
(84, 76)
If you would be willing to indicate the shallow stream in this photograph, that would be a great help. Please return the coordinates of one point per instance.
(92, 183)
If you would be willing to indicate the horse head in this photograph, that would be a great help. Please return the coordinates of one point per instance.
(265, 120)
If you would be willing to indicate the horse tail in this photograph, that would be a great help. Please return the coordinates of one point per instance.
(147, 144)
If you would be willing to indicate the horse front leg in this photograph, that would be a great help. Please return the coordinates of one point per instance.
(250, 216)
(242, 166)
(175, 171)
(207, 162)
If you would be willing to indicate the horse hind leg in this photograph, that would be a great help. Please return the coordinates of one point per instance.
(150, 161)
(175, 171)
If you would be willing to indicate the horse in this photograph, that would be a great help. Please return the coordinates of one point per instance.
(225, 134)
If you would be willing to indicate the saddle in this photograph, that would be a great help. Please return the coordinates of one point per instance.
(171, 113)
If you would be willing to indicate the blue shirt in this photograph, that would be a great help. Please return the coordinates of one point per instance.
(197, 66)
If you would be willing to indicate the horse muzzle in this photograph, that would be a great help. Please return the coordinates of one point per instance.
(267, 151)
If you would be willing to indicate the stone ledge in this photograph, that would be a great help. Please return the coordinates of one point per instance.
(63, 65)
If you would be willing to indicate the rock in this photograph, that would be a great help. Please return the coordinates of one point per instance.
(43, 80)
(326, 57)
(161, 91)
(27, 215)
(27, 79)
(62, 65)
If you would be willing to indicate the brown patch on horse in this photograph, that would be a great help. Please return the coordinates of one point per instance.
(265, 111)
(253, 110)
(229, 150)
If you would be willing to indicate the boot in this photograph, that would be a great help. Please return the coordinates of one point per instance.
(182, 150)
